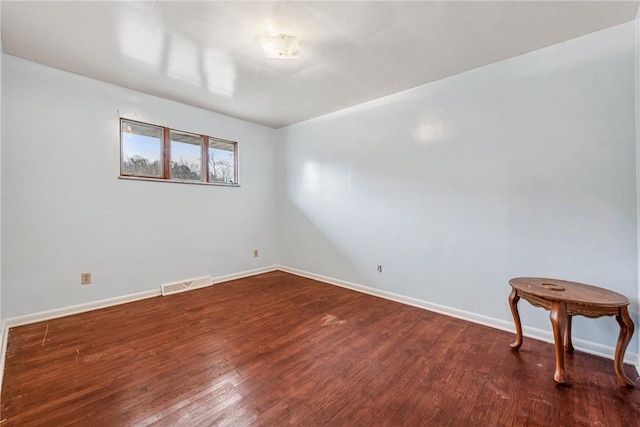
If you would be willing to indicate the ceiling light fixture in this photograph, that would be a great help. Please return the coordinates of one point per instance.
(280, 46)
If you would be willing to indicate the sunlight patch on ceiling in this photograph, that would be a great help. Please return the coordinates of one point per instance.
(201, 66)
(147, 45)
(141, 40)
(219, 73)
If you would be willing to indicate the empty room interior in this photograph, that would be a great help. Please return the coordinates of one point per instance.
(319, 213)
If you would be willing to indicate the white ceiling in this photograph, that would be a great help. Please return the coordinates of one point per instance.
(205, 53)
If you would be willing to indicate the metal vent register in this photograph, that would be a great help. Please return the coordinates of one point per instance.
(186, 285)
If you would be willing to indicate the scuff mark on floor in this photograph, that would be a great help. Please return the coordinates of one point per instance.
(45, 335)
(93, 357)
(330, 320)
(498, 391)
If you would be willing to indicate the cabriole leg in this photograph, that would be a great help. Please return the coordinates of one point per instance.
(513, 303)
(568, 345)
(626, 332)
(558, 318)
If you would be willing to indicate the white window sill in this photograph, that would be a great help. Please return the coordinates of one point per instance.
(176, 181)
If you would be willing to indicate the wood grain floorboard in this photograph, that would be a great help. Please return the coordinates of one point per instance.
(277, 349)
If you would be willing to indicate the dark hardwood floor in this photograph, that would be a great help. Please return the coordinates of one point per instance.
(277, 349)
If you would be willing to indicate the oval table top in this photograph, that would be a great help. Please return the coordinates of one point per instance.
(565, 291)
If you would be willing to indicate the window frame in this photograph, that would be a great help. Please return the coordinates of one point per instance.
(165, 153)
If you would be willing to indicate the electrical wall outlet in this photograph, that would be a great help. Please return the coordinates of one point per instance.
(85, 278)
(255, 253)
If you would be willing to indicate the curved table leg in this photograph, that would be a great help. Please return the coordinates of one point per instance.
(568, 345)
(513, 302)
(626, 331)
(558, 318)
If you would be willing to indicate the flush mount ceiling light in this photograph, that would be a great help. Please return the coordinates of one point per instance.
(280, 46)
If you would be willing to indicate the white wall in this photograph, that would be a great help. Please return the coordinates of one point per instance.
(1, 102)
(522, 168)
(65, 211)
(637, 92)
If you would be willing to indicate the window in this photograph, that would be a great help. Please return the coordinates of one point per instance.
(186, 156)
(221, 157)
(156, 152)
(142, 150)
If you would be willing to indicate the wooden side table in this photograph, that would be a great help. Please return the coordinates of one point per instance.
(565, 300)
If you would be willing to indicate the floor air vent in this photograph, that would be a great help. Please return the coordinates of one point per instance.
(186, 285)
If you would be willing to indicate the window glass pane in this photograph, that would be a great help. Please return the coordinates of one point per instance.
(186, 156)
(141, 149)
(222, 161)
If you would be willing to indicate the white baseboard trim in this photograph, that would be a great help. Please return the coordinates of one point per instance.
(244, 274)
(76, 309)
(3, 350)
(538, 334)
